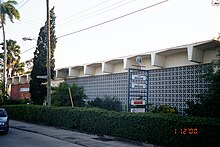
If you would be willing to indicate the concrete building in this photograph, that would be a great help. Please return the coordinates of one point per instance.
(19, 87)
(174, 74)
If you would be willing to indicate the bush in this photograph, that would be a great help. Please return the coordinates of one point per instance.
(15, 102)
(160, 129)
(107, 103)
(61, 97)
(164, 109)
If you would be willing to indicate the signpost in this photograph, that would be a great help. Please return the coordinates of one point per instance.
(138, 88)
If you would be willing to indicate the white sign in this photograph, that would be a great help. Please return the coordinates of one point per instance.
(42, 77)
(136, 110)
(138, 77)
(134, 85)
(24, 89)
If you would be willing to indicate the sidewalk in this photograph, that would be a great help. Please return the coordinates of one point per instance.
(75, 137)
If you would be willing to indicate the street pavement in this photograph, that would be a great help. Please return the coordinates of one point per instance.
(76, 138)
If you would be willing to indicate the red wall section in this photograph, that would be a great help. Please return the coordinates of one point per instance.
(16, 94)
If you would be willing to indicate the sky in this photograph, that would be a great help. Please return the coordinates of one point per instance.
(171, 23)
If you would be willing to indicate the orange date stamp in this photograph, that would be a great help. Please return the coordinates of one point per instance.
(186, 131)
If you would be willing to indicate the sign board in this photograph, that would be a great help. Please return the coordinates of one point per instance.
(134, 85)
(139, 77)
(24, 89)
(42, 77)
(136, 110)
(138, 90)
(138, 102)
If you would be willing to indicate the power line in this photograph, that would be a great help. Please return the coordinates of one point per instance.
(85, 17)
(23, 4)
(104, 22)
(28, 50)
(112, 19)
(67, 18)
(93, 14)
(85, 10)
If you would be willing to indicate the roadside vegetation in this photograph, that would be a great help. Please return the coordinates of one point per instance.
(159, 129)
(106, 102)
(68, 95)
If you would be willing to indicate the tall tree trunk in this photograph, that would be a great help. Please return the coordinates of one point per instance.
(5, 59)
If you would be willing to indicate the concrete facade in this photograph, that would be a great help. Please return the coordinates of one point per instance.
(174, 74)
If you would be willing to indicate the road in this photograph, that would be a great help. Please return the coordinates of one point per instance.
(23, 134)
(19, 138)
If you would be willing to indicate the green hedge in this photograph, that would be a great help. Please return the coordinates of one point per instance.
(154, 128)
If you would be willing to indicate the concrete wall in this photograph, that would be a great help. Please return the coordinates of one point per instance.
(178, 59)
(186, 55)
(109, 77)
(119, 67)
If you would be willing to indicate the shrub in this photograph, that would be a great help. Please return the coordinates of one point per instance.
(160, 129)
(15, 102)
(107, 103)
(61, 97)
(164, 109)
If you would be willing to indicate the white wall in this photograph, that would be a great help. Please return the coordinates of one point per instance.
(178, 59)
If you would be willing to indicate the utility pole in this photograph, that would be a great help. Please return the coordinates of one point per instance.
(48, 57)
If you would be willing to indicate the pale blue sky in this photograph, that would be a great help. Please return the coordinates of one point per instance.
(175, 22)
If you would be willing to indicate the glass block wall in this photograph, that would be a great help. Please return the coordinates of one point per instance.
(108, 84)
(174, 86)
(168, 86)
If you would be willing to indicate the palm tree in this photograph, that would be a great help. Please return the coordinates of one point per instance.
(14, 66)
(13, 58)
(7, 8)
(18, 69)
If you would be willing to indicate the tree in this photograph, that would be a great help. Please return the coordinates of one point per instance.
(18, 69)
(61, 97)
(209, 102)
(7, 8)
(38, 90)
(29, 65)
(14, 66)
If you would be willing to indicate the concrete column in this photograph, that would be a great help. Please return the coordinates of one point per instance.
(10, 80)
(195, 54)
(23, 79)
(89, 70)
(74, 72)
(16, 80)
(158, 60)
(62, 73)
(128, 62)
(107, 67)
